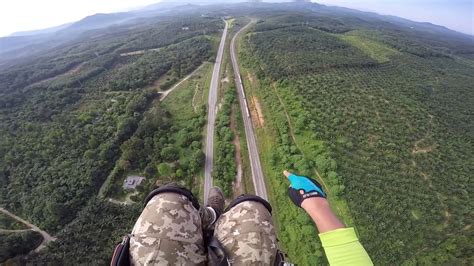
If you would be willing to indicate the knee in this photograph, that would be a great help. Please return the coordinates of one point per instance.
(172, 189)
(168, 201)
(165, 215)
(246, 214)
(246, 231)
(252, 202)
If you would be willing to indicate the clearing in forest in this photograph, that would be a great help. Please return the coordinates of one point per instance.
(375, 50)
(256, 113)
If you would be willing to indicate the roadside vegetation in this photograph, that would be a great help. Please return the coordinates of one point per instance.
(231, 170)
(188, 112)
(167, 143)
(224, 166)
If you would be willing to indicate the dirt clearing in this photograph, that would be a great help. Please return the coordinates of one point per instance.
(256, 113)
(251, 79)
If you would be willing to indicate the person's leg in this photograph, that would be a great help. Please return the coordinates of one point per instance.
(246, 232)
(169, 231)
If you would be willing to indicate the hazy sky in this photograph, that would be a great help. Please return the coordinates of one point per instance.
(454, 14)
(21, 15)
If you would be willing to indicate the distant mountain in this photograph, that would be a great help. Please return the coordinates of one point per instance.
(95, 21)
(41, 31)
(57, 35)
(51, 37)
(100, 20)
(203, 1)
(15, 43)
(23, 44)
(425, 26)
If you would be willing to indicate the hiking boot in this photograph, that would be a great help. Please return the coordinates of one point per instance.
(216, 201)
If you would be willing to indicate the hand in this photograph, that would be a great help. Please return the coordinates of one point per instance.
(303, 188)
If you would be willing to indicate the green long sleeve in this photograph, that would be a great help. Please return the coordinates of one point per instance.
(342, 247)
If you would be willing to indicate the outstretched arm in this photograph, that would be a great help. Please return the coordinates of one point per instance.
(341, 244)
(322, 215)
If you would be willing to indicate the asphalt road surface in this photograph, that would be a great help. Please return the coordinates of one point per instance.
(257, 174)
(211, 116)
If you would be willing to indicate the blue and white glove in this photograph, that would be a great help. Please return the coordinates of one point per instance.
(302, 188)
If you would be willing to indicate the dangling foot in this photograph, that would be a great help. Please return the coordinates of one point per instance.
(216, 201)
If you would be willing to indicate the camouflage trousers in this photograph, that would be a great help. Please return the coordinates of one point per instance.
(170, 232)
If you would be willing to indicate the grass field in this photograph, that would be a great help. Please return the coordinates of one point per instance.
(375, 50)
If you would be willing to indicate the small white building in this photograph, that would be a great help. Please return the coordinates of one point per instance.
(131, 182)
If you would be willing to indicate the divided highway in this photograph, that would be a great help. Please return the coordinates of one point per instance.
(257, 173)
(211, 116)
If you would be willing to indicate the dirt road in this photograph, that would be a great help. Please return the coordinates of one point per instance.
(257, 173)
(46, 237)
(165, 93)
(211, 116)
(14, 231)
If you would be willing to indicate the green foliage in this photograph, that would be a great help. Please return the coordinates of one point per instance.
(281, 152)
(65, 136)
(452, 251)
(224, 166)
(20, 243)
(99, 50)
(386, 146)
(418, 42)
(301, 50)
(153, 149)
(170, 153)
(168, 84)
(375, 50)
(55, 163)
(399, 133)
(170, 31)
(180, 59)
(383, 110)
(164, 169)
(323, 22)
(8, 223)
(166, 145)
(92, 237)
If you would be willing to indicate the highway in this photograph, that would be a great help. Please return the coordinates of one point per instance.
(257, 173)
(211, 116)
